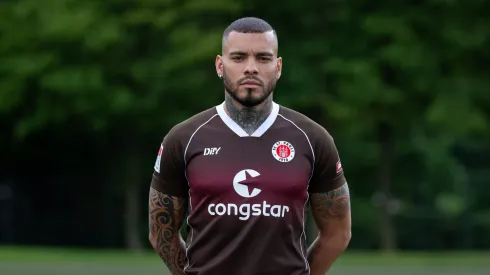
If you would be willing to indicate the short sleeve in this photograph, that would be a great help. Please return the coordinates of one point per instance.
(169, 170)
(328, 173)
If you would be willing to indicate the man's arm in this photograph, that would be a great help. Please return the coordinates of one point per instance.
(331, 212)
(166, 216)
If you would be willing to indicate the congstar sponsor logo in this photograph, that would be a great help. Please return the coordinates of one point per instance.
(245, 185)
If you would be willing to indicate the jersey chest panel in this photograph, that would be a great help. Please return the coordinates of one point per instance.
(228, 168)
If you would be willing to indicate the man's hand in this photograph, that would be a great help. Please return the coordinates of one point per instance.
(166, 215)
(331, 212)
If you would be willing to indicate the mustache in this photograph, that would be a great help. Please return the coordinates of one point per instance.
(251, 78)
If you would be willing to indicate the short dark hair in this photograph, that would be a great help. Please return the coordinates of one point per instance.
(249, 25)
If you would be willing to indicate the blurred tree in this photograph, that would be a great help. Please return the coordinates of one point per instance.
(404, 77)
(398, 84)
(117, 66)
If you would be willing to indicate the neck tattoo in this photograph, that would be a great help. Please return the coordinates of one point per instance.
(249, 118)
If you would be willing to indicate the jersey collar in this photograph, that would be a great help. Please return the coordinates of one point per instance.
(238, 130)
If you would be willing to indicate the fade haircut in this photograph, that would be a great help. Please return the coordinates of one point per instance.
(248, 25)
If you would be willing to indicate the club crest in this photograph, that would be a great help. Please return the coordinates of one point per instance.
(283, 151)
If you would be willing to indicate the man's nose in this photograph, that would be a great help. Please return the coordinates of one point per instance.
(251, 67)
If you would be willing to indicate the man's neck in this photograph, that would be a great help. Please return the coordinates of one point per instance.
(249, 118)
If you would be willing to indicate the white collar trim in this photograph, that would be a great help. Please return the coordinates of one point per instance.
(238, 130)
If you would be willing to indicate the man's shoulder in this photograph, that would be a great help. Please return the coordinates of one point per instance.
(320, 139)
(311, 128)
(183, 131)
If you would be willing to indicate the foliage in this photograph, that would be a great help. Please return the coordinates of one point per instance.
(129, 70)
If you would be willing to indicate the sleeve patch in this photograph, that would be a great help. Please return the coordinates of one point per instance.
(339, 167)
(159, 158)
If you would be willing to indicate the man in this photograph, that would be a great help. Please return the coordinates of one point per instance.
(245, 171)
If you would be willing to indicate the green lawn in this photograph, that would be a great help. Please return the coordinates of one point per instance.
(48, 261)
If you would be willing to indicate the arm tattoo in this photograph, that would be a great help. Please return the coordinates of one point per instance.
(249, 118)
(332, 205)
(166, 216)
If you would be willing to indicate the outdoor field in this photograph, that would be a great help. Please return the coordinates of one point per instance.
(24, 261)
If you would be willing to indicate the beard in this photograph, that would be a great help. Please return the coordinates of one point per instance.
(249, 99)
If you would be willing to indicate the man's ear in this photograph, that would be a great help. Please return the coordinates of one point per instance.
(279, 67)
(219, 66)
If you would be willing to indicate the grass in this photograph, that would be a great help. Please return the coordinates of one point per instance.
(51, 261)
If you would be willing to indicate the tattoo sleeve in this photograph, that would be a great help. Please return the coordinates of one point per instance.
(331, 205)
(331, 212)
(166, 215)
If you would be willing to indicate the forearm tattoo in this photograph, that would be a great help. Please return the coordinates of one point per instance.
(249, 119)
(332, 205)
(166, 215)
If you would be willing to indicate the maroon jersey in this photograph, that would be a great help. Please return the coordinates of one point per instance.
(247, 193)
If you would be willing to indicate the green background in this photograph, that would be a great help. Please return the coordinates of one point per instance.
(88, 89)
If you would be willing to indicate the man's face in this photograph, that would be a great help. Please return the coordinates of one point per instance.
(249, 66)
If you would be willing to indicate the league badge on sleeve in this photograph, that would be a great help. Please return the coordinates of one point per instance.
(159, 158)
(339, 166)
(283, 151)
